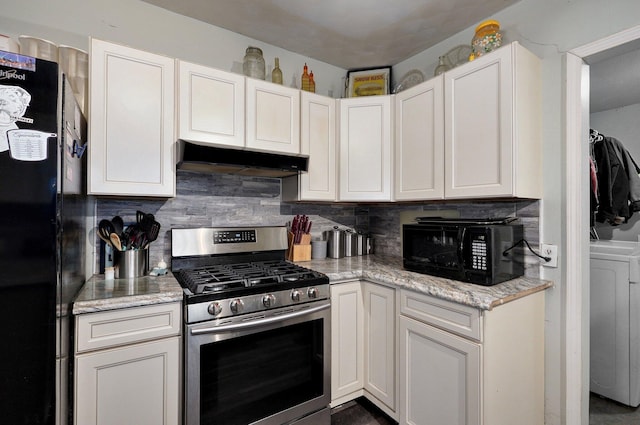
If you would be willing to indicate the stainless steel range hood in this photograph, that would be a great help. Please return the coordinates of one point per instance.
(202, 157)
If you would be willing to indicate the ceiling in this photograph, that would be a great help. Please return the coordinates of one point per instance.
(349, 34)
(614, 77)
(353, 34)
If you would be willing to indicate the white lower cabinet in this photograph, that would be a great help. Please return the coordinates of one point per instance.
(347, 342)
(440, 375)
(380, 344)
(463, 366)
(127, 366)
(363, 344)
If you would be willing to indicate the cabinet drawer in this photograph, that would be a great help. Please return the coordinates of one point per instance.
(125, 326)
(457, 318)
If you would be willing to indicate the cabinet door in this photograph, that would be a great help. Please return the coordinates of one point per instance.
(478, 145)
(136, 384)
(365, 149)
(609, 329)
(273, 117)
(347, 341)
(419, 159)
(380, 342)
(493, 126)
(439, 376)
(318, 140)
(211, 106)
(132, 122)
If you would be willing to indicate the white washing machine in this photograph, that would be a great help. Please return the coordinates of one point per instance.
(615, 321)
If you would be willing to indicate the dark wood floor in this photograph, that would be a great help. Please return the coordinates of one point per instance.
(602, 412)
(359, 412)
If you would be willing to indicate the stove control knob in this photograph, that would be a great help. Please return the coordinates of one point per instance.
(269, 300)
(214, 309)
(295, 295)
(312, 292)
(236, 306)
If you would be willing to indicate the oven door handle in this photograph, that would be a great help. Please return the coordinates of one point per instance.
(261, 321)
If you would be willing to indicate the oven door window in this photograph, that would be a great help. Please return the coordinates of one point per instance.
(254, 376)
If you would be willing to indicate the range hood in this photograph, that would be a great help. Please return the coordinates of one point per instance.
(203, 157)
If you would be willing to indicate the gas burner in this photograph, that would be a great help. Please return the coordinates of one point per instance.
(246, 268)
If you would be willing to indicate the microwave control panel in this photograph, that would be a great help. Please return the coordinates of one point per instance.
(479, 252)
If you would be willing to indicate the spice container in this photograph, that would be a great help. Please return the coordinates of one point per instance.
(487, 38)
(253, 63)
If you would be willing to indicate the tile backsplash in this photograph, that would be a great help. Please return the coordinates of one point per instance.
(230, 200)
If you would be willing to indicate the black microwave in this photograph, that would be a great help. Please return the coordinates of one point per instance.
(480, 251)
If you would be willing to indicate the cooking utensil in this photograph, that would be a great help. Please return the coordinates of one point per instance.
(118, 224)
(140, 216)
(115, 241)
(152, 231)
(105, 229)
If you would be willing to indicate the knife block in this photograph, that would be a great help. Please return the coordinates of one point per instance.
(299, 251)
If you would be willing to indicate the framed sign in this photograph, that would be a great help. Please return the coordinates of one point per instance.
(368, 82)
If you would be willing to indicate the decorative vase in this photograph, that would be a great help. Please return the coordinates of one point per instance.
(441, 68)
(253, 63)
(276, 74)
(487, 38)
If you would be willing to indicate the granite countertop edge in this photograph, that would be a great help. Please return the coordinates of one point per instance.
(98, 294)
(389, 271)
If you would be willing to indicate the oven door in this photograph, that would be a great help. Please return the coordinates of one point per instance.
(268, 368)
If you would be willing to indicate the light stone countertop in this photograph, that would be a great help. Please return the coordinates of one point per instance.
(101, 295)
(387, 270)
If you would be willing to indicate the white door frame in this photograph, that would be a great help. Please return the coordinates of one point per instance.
(576, 318)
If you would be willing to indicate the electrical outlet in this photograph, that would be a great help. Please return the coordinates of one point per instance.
(550, 251)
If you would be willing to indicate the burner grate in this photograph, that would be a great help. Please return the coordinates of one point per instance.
(229, 277)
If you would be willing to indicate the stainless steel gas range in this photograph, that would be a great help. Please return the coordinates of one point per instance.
(257, 329)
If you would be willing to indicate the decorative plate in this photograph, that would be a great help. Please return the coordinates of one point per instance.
(458, 55)
(410, 79)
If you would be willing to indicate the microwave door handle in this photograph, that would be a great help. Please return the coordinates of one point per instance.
(462, 233)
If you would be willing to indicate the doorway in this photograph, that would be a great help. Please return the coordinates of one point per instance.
(576, 329)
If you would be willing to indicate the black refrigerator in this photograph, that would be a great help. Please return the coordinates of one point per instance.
(44, 223)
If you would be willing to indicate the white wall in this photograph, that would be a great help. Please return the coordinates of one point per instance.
(549, 28)
(143, 26)
(623, 124)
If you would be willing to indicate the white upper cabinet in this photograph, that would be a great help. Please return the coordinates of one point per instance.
(318, 140)
(211, 105)
(131, 149)
(419, 142)
(365, 154)
(493, 126)
(272, 117)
